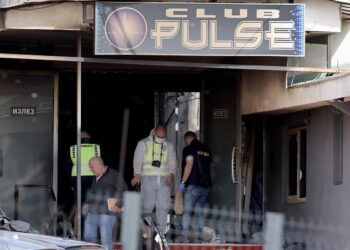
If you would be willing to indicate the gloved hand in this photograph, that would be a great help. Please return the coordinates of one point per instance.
(182, 187)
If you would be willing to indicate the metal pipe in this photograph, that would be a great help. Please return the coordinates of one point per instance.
(78, 211)
(123, 145)
(165, 63)
(55, 148)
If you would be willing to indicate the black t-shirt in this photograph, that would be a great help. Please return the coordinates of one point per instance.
(200, 153)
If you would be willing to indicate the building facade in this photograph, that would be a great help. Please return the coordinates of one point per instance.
(52, 85)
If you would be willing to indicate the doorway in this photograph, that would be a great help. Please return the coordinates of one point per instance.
(105, 96)
(152, 98)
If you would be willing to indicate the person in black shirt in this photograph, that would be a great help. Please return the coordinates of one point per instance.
(103, 203)
(195, 183)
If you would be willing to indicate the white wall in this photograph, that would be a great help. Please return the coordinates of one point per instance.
(340, 49)
(321, 15)
(315, 56)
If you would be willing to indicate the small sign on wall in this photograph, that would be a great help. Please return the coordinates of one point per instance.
(220, 113)
(21, 111)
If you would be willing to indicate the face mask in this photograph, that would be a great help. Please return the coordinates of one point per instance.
(159, 140)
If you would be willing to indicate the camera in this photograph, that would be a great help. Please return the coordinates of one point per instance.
(156, 164)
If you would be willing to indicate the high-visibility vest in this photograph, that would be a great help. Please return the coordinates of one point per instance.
(87, 151)
(155, 152)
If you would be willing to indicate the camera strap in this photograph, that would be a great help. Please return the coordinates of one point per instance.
(161, 151)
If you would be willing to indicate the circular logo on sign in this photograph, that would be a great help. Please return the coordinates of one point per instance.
(126, 28)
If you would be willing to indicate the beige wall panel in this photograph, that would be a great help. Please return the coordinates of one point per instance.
(265, 91)
(59, 16)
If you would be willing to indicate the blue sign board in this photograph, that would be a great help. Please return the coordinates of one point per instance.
(199, 29)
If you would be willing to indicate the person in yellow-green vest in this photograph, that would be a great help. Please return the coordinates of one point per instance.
(154, 168)
(88, 150)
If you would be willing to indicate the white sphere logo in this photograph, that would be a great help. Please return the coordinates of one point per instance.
(126, 28)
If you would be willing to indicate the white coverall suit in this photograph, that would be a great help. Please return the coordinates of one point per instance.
(154, 190)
